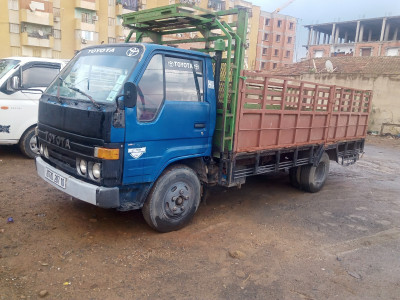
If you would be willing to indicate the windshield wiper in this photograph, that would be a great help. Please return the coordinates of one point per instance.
(80, 92)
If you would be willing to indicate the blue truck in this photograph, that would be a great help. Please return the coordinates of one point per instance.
(151, 126)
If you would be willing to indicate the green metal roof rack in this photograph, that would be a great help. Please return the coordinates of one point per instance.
(163, 25)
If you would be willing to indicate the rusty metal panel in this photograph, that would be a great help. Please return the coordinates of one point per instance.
(276, 112)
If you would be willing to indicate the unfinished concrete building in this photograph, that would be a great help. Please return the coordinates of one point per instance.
(366, 37)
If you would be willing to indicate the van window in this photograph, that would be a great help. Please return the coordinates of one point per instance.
(38, 77)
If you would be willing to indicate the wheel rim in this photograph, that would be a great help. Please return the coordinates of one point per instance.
(320, 172)
(178, 200)
(33, 145)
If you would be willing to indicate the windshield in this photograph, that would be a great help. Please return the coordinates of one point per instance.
(6, 65)
(99, 73)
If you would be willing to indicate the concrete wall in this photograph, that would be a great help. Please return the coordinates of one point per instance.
(386, 95)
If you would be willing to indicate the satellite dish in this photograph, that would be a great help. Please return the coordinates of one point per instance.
(32, 7)
(40, 32)
(329, 66)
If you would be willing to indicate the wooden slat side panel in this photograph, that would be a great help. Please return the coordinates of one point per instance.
(276, 112)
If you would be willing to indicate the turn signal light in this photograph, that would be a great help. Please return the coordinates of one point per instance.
(104, 153)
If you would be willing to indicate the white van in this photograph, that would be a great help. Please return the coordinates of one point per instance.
(21, 81)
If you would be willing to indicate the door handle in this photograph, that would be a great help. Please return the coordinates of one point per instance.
(199, 125)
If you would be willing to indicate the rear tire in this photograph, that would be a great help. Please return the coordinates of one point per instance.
(294, 175)
(28, 143)
(312, 179)
(173, 200)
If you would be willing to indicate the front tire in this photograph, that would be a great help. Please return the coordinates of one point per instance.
(173, 200)
(28, 143)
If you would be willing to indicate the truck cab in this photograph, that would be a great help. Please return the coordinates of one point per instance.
(108, 150)
(20, 90)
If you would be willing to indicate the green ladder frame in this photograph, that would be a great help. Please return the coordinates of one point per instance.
(184, 18)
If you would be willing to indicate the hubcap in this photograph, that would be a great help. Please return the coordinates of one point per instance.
(177, 199)
(33, 145)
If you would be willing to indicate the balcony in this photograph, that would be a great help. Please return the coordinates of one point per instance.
(82, 43)
(36, 17)
(120, 10)
(29, 39)
(119, 30)
(87, 4)
(79, 25)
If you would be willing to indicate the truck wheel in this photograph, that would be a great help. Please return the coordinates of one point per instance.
(312, 179)
(173, 200)
(294, 175)
(28, 143)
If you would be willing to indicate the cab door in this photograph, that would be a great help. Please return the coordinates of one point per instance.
(171, 120)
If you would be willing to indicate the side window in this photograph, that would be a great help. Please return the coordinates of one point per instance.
(151, 90)
(183, 79)
(38, 77)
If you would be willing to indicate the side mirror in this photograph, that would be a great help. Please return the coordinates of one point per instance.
(130, 94)
(13, 84)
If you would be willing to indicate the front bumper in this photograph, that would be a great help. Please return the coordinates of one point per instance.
(93, 194)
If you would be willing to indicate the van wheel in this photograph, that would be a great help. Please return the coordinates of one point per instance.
(312, 179)
(294, 175)
(173, 200)
(28, 143)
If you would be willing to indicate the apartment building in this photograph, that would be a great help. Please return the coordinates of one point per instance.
(59, 28)
(365, 37)
(276, 41)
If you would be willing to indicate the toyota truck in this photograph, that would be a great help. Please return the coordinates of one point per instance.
(149, 125)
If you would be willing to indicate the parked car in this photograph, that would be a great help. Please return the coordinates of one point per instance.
(22, 80)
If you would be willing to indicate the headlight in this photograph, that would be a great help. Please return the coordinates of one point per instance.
(83, 166)
(46, 152)
(96, 170)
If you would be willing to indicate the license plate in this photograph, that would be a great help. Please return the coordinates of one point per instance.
(55, 178)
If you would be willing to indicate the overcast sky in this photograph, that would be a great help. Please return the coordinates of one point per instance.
(325, 11)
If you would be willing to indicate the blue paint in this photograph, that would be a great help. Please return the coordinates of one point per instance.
(171, 136)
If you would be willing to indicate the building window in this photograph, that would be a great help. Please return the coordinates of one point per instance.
(56, 12)
(57, 33)
(111, 40)
(276, 52)
(111, 21)
(287, 54)
(14, 28)
(278, 38)
(263, 65)
(279, 23)
(89, 35)
(289, 40)
(291, 25)
(86, 18)
(267, 22)
(13, 4)
(274, 65)
(216, 5)
(266, 36)
(265, 51)
(129, 4)
(366, 51)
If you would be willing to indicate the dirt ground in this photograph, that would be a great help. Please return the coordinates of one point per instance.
(266, 240)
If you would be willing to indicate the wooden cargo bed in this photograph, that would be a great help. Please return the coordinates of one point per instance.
(276, 113)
